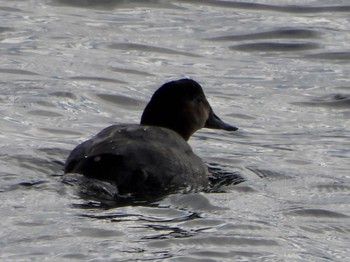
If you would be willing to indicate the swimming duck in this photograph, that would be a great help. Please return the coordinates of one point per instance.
(152, 157)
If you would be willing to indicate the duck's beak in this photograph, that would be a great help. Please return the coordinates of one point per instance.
(215, 122)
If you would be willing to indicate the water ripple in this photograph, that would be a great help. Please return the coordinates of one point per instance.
(319, 213)
(274, 47)
(5, 29)
(124, 101)
(131, 71)
(17, 71)
(289, 33)
(62, 94)
(10, 9)
(342, 56)
(339, 101)
(216, 241)
(277, 8)
(117, 3)
(148, 48)
(333, 188)
(44, 113)
(95, 78)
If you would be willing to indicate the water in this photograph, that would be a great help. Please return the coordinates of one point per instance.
(279, 70)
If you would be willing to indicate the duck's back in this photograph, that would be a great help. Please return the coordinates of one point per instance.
(142, 159)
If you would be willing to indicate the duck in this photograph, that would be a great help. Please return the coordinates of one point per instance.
(152, 158)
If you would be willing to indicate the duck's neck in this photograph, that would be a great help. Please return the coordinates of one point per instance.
(181, 128)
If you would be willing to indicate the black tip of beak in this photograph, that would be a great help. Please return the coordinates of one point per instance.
(215, 122)
(228, 127)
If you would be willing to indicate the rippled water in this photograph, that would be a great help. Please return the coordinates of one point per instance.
(277, 69)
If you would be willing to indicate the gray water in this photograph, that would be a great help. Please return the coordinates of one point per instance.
(279, 70)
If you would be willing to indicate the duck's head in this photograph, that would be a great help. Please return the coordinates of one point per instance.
(182, 106)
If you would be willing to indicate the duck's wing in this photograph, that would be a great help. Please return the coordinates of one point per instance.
(87, 148)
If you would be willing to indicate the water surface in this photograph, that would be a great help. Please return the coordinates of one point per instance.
(279, 71)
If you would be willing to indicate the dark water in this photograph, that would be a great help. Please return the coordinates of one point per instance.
(277, 69)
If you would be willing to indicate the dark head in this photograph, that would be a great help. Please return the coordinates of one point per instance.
(181, 106)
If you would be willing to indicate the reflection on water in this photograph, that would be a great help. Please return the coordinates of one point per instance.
(279, 71)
